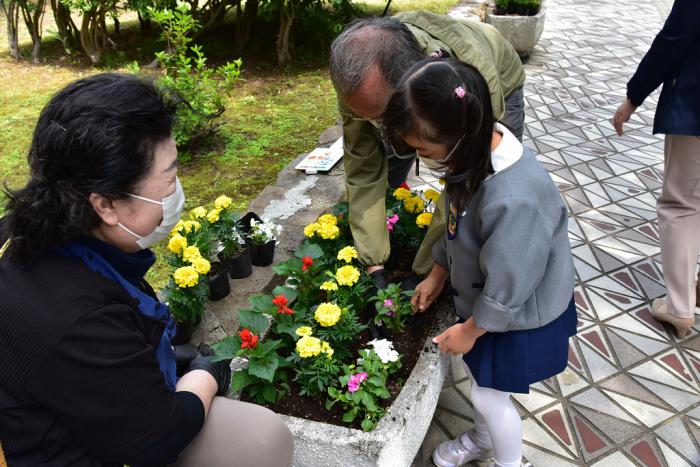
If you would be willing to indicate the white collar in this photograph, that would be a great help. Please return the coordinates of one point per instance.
(508, 151)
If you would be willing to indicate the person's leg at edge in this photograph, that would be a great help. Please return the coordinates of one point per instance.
(240, 433)
(679, 222)
(514, 116)
(497, 420)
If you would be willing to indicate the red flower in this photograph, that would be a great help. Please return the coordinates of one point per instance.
(280, 300)
(248, 339)
(282, 308)
(307, 262)
(404, 185)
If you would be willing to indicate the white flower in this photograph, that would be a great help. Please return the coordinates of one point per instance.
(265, 230)
(384, 350)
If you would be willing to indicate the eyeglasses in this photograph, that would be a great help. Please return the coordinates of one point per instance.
(392, 140)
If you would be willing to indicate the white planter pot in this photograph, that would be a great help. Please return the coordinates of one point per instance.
(522, 32)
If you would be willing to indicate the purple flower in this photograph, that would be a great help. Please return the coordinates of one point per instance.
(390, 314)
(388, 303)
(355, 381)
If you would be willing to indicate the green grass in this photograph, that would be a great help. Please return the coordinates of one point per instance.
(272, 114)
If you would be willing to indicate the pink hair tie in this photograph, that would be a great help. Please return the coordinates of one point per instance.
(436, 54)
(459, 91)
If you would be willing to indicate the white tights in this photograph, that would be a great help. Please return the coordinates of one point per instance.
(497, 424)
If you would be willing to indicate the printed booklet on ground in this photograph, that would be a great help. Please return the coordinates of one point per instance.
(322, 159)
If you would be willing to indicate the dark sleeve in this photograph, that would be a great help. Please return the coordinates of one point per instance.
(667, 52)
(102, 381)
(166, 449)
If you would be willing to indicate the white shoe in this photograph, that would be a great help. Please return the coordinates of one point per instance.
(459, 451)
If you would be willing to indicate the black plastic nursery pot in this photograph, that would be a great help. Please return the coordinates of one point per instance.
(239, 267)
(262, 255)
(219, 285)
(245, 221)
(184, 331)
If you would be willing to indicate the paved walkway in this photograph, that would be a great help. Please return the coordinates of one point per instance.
(631, 392)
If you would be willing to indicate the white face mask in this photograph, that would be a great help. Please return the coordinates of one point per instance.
(439, 165)
(172, 210)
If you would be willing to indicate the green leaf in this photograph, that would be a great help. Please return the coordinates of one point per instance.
(357, 396)
(262, 304)
(268, 346)
(289, 294)
(226, 348)
(269, 393)
(240, 380)
(285, 268)
(329, 404)
(288, 328)
(349, 416)
(367, 425)
(264, 368)
(253, 320)
(309, 249)
(376, 381)
(369, 402)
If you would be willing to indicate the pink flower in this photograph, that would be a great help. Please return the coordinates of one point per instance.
(459, 91)
(390, 314)
(390, 221)
(388, 302)
(355, 381)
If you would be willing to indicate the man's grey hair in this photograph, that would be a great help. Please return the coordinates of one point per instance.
(365, 43)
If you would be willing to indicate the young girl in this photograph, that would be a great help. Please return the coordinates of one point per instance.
(506, 252)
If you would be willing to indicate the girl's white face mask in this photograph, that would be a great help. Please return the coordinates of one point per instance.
(439, 165)
(172, 210)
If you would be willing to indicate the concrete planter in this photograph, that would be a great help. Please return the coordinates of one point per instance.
(522, 32)
(398, 435)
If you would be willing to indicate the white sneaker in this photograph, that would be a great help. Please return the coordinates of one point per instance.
(459, 451)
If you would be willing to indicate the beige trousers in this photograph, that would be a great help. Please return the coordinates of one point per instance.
(239, 434)
(679, 221)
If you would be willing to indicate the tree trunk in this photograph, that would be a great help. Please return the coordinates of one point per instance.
(144, 22)
(244, 21)
(11, 11)
(286, 20)
(67, 30)
(33, 18)
(93, 34)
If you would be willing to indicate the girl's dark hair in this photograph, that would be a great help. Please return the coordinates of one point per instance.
(425, 104)
(97, 135)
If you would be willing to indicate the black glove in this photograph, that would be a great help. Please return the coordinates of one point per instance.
(185, 353)
(221, 371)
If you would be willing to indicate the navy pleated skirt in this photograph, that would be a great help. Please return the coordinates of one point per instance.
(512, 361)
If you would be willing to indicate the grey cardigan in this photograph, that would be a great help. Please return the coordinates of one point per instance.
(510, 262)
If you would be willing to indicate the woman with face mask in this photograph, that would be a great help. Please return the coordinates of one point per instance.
(88, 372)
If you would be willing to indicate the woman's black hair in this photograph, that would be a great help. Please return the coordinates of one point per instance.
(97, 135)
(427, 104)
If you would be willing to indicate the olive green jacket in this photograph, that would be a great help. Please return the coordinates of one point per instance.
(364, 158)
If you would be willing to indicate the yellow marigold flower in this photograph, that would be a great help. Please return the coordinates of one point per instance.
(414, 204)
(198, 212)
(329, 231)
(214, 215)
(308, 346)
(304, 331)
(329, 286)
(178, 228)
(328, 219)
(311, 229)
(222, 202)
(347, 254)
(432, 195)
(201, 265)
(186, 276)
(424, 219)
(190, 253)
(347, 275)
(402, 193)
(177, 243)
(327, 349)
(190, 226)
(327, 314)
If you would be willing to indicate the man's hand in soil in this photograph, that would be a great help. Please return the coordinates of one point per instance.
(428, 290)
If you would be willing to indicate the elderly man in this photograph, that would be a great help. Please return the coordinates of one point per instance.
(367, 61)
